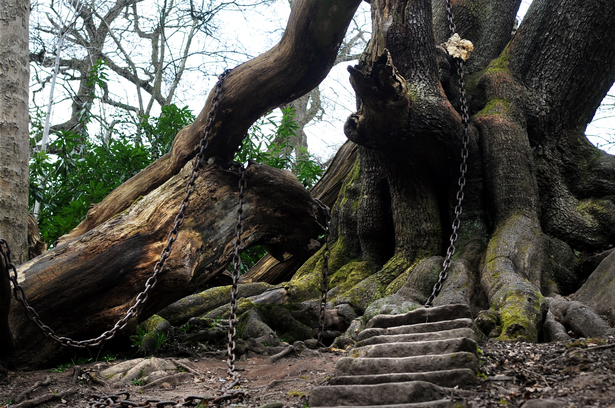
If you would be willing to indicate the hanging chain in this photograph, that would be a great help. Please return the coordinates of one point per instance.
(463, 168)
(164, 255)
(324, 284)
(232, 320)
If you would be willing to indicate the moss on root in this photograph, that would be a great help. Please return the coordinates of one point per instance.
(362, 294)
(521, 316)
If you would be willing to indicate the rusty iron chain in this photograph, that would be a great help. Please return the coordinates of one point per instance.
(232, 320)
(115, 400)
(164, 255)
(463, 168)
(324, 284)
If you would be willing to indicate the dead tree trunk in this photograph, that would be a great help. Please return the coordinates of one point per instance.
(82, 287)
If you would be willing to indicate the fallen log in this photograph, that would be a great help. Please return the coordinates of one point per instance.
(83, 286)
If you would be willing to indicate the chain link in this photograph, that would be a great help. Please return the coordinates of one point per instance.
(463, 168)
(232, 320)
(324, 284)
(115, 400)
(164, 255)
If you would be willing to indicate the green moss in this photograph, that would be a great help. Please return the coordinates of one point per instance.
(392, 269)
(500, 64)
(593, 207)
(495, 107)
(373, 287)
(340, 255)
(350, 274)
(583, 343)
(137, 200)
(150, 324)
(518, 317)
(398, 282)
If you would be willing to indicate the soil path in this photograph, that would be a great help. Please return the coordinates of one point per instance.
(578, 374)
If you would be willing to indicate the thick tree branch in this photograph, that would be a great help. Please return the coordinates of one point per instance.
(557, 52)
(296, 65)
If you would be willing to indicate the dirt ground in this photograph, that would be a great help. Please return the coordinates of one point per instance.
(581, 373)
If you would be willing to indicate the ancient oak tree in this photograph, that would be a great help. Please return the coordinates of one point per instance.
(538, 196)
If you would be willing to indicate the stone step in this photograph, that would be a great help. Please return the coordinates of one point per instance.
(417, 348)
(437, 335)
(422, 315)
(387, 365)
(377, 395)
(444, 403)
(418, 328)
(444, 378)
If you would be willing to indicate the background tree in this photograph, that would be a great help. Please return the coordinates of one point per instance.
(14, 77)
(539, 196)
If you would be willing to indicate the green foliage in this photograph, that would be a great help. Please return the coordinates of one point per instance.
(137, 338)
(97, 75)
(161, 131)
(186, 327)
(276, 149)
(79, 172)
(138, 381)
(160, 339)
(75, 360)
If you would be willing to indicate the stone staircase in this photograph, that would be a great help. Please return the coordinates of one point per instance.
(406, 361)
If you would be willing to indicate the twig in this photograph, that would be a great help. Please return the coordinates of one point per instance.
(606, 346)
(186, 367)
(536, 374)
(37, 384)
(282, 353)
(45, 398)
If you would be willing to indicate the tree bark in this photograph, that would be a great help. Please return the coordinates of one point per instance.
(14, 139)
(82, 287)
(14, 153)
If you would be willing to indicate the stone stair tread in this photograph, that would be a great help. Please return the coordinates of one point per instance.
(377, 394)
(422, 315)
(387, 365)
(419, 328)
(443, 378)
(443, 403)
(416, 348)
(418, 337)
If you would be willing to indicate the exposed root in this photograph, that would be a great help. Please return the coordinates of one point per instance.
(37, 384)
(45, 398)
(511, 275)
(579, 318)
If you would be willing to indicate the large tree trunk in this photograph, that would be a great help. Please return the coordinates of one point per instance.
(14, 150)
(537, 192)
